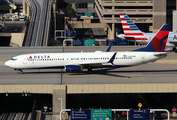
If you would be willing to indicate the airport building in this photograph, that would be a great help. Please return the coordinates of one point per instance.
(154, 85)
(99, 16)
(149, 15)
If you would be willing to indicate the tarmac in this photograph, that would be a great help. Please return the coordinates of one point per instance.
(162, 71)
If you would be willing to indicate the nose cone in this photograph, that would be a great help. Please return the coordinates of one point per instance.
(121, 36)
(7, 63)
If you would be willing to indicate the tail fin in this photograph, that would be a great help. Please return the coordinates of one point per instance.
(158, 42)
(131, 31)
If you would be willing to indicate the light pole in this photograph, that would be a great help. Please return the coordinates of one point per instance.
(65, 26)
(61, 102)
(64, 32)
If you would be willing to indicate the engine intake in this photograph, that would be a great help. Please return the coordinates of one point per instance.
(72, 68)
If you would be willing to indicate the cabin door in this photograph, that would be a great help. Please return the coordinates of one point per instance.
(24, 60)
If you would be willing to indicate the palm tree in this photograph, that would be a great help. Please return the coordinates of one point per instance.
(71, 12)
(76, 5)
(69, 8)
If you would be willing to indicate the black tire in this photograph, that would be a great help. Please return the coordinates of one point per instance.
(174, 49)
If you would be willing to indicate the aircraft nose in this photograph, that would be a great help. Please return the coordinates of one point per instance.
(7, 63)
(120, 36)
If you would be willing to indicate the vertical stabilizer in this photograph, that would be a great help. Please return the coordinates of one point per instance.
(158, 42)
(131, 31)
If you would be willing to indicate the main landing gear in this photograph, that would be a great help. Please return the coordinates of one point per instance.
(175, 50)
(89, 70)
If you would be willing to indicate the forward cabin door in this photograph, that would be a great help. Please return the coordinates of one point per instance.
(24, 60)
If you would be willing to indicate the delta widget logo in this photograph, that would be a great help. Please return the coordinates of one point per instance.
(30, 57)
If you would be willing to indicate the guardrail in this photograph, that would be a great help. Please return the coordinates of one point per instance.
(71, 40)
(115, 110)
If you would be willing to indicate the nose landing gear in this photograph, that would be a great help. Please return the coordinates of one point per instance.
(21, 71)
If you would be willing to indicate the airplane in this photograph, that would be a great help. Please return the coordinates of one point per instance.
(134, 34)
(76, 61)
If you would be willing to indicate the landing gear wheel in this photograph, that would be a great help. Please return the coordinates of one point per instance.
(90, 70)
(21, 72)
(174, 49)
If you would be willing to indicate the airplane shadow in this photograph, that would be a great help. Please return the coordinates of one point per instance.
(106, 72)
(115, 73)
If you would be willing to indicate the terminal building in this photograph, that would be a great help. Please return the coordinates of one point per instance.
(102, 16)
(149, 15)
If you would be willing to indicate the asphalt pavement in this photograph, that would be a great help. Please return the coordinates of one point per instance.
(148, 73)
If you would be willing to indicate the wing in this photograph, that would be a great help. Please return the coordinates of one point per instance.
(173, 43)
(88, 64)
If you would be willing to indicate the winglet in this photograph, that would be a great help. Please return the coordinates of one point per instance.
(112, 59)
(109, 48)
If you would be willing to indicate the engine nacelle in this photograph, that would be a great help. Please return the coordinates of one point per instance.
(72, 68)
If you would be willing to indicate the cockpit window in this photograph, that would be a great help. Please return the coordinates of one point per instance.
(13, 59)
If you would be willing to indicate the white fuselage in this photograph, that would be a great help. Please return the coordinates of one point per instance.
(84, 59)
(171, 42)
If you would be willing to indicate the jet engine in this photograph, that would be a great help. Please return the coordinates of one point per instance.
(72, 68)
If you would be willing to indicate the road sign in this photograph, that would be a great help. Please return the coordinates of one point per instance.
(174, 112)
(80, 14)
(139, 114)
(80, 114)
(122, 42)
(70, 33)
(95, 16)
(113, 42)
(174, 109)
(140, 105)
(101, 114)
(89, 42)
(88, 14)
(78, 42)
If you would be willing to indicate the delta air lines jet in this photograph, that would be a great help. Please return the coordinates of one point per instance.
(75, 62)
(132, 33)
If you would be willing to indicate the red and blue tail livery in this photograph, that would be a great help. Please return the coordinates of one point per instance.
(131, 31)
(158, 42)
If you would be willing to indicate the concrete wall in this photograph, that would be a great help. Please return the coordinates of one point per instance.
(159, 14)
(122, 88)
(78, 1)
(174, 21)
(17, 39)
(87, 25)
(26, 7)
(60, 91)
(59, 99)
